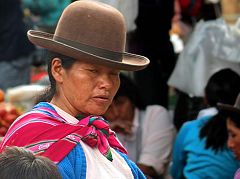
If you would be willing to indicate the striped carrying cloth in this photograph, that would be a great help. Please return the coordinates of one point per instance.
(46, 133)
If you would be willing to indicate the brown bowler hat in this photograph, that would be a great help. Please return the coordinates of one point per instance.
(93, 32)
(229, 109)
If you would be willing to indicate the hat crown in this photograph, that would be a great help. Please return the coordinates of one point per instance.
(92, 32)
(90, 19)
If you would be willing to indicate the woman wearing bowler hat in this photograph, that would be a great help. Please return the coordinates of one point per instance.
(87, 54)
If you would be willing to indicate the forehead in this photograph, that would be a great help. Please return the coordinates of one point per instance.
(231, 125)
(230, 122)
(84, 64)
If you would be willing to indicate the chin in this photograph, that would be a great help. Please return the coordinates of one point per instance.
(99, 112)
(95, 109)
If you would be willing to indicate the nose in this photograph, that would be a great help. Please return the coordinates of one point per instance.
(106, 82)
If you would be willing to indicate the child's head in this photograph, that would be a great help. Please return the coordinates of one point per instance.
(20, 163)
(222, 87)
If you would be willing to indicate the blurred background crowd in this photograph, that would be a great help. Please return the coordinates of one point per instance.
(166, 115)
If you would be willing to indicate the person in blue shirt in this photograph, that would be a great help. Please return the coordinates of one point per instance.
(200, 149)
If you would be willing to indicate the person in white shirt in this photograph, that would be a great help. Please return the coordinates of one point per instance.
(146, 131)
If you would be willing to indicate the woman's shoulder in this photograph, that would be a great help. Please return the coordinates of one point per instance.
(190, 127)
(196, 123)
(157, 108)
(158, 112)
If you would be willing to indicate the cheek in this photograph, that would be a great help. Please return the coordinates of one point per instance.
(72, 85)
(237, 143)
(79, 92)
(127, 112)
(82, 85)
(126, 108)
(82, 95)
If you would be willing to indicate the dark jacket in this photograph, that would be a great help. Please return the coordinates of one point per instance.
(13, 31)
(154, 18)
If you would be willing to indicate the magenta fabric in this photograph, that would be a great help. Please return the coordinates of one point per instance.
(46, 133)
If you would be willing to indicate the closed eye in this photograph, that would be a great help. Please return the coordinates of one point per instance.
(92, 70)
(231, 134)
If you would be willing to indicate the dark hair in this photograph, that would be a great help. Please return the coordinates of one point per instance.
(215, 132)
(235, 118)
(129, 89)
(19, 163)
(223, 86)
(67, 63)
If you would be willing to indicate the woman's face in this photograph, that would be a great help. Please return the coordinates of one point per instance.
(233, 138)
(87, 88)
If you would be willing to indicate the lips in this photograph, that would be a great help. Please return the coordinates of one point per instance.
(102, 98)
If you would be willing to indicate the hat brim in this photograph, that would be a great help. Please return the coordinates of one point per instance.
(130, 62)
(228, 109)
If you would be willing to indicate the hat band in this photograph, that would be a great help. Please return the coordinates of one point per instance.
(115, 56)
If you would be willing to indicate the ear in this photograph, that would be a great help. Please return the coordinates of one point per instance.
(57, 70)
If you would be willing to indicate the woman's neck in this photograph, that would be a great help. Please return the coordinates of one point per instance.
(230, 11)
(231, 19)
(64, 106)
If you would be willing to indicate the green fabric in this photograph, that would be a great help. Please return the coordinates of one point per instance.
(48, 11)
